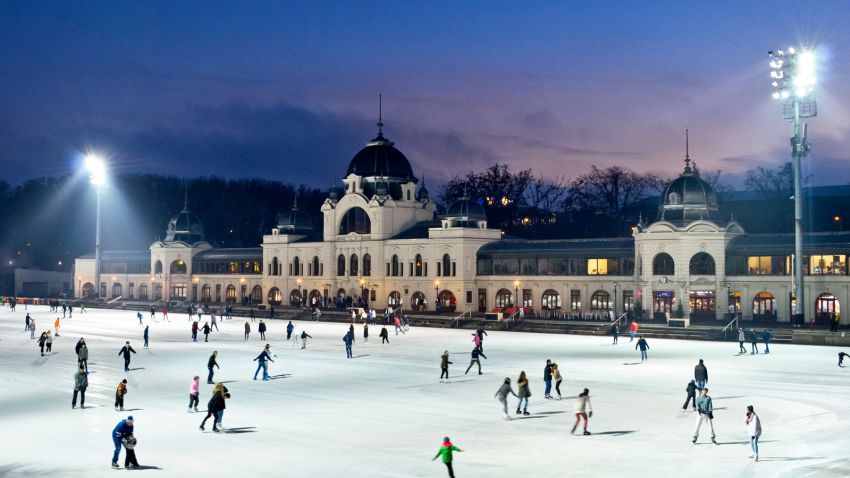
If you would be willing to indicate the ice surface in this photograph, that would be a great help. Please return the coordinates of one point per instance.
(384, 413)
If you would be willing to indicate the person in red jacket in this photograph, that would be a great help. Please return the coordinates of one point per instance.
(633, 330)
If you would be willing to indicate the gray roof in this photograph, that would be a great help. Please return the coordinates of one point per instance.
(560, 247)
(250, 253)
(783, 244)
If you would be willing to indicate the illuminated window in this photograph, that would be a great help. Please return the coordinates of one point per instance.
(597, 267)
(828, 264)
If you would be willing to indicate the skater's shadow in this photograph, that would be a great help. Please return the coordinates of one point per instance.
(133, 409)
(616, 433)
(283, 375)
(632, 363)
(529, 417)
(549, 413)
(229, 381)
(240, 430)
(743, 442)
(137, 368)
(728, 398)
(789, 458)
(146, 467)
(358, 356)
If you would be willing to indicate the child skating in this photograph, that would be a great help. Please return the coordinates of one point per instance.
(445, 451)
(583, 410)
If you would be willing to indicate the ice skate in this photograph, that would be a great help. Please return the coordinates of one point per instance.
(714, 441)
(196, 409)
(756, 458)
(201, 428)
(585, 432)
(507, 417)
(116, 409)
(525, 412)
(73, 406)
(518, 411)
(694, 441)
(115, 465)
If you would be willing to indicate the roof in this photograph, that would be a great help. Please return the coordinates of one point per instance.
(380, 158)
(142, 255)
(560, 247)
(417, 231)
(466, 209)
(231, 253)
(783, 244)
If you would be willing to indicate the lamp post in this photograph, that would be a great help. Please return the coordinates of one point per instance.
(97, 176)
(363, 292)
(437, 296)
(516, 293)
(300, 293)
(793, 79)
(837, 220)
(616, 287)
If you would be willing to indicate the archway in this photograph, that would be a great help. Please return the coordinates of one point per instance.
(551, 300)
(315, 298)
(826, 306)
(143, 292)
(206, 293)
(702, 264)
(295, 298)
(764, 307)
(600, 301)
(230, 293)
(275, 297)
(447, 300)
(88, 290)
(178, 267)
(663, 265)
(256, 295)
(157, 268)
(116, 290)
(418, 302)
(504, 298)
(394, 299)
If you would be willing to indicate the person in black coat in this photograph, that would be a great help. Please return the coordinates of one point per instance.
(262, 330)
(211, 363)
(476, 352)
(216, 406)
(206, 330)
(615, 331)
(547, 379)
(384, 335)
(700, 375)
(692, 395)
(754, 342)
(125, 351)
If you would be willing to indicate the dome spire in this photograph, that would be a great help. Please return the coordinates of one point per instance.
(688, 169)
(185, 197)
(380, 116)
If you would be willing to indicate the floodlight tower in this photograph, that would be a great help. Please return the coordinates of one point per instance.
(97, 174)
(793, 79)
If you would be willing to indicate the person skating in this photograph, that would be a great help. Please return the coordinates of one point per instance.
(262, 330)
(195, 331)
(615, 332)
(139, 316)
(641, 343)
(754, 342)
(48, 342)
(289, 329)
(120, 392)
(480, 332)
(700, 375)
(583, 410)
(27, 320)
(206, 331)
(502, 395)
(304, 337)
(194, 393)
(264, 358)
(547, 379)
(556, 376)
(32, 328)
(348, 339)
(165, 312)
(397, 323)
(445, 451)
(741, 339)
(214, 323)
(83, 355)
(153, 313)
(146, 335)
(130, 460)
(476, 340)
(476, 352)
(444, 365)
(633, 328)
(523, 392)
(42, 341)
(56, 326)
(123, 429)
(212, 363)
(691, 389)
(365, 331)
(384, 335)
(753, 423)
(81, 382)
(247, 329)
(126, 350)
(706, 414)
(216, 406)
(841, 356)
(766, 336)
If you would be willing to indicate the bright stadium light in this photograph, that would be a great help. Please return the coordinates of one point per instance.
(97, 174)
(793, 77)
(97, 169)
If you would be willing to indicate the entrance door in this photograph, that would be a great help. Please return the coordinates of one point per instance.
(482, 300)
(703, 305)
(826, 306)
(662, 303)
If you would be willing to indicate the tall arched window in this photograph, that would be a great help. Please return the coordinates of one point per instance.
(600, 300)
(447, 265)
(663, 265)
(257, 294)
(143, 292)
(702, 264)
(178, 267)
(504, 298)
(394, 266)
(230, 293)
(367, 265)
(551, 300)
(275, 267)
(355, 220)
(315, 265)
(296, 267)
(157, 268)
(340, 265)
(275, 297)
(354, 265)
(116, 289)
(417, 266)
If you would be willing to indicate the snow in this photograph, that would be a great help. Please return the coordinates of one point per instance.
(384, 413)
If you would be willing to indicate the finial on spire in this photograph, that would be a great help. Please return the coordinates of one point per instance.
(185, 196)
(687, 155)
(380, 115)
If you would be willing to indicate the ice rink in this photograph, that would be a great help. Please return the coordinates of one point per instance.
(384, 412)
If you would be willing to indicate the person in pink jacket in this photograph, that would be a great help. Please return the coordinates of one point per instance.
(194, 392)
(476, 339)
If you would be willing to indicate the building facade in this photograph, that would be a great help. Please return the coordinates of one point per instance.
(381, 242)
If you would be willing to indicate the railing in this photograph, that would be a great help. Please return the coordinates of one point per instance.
(458, 321)
(729, 326)
(513, 320)
(624, 317)
(116, 299)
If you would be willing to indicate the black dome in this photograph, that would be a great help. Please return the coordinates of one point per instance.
(688, 198)
(465, 212)
(380, 158)
(184, 226)
(295, 221)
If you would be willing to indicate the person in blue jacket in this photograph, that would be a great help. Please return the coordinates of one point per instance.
(766, 336)
(348, 338)
(123, 429)
(289, 329)
(264, 358)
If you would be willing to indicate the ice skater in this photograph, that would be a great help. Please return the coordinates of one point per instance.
(126, 350)
(211, 364)
(348, 339)
(130, 460)
(27, 320)
(365, 331)
(754, 431)
(262, 330)
(81, 383)
(583, 410)
(83, 355)
(700, 375)
(476, 352)
(633, 328)
(476, 340)
(264, 358)
(289, 329)
(56, 326)
(445, 451)
(120, 392)
(480, 332)
(841, 356)
(444, 365)
(384, 335)
(766, 336)
(145, 335)
(706, 414)
(691, 389)
(122, 430)
(216, 406)
(194, 393)
(164, 312)
(523, 393)
(741, 339)
(304, 337)
(195, 331)
(42, 341)
(247, 329)
(206, 330)
(32, 328)
(641, 343)
(547, 379)
(556, 376)
(139, 316)
(502, 395)
(754, 342)
(615, 332)
(214, 323)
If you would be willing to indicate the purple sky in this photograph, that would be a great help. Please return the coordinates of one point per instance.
(288, 90)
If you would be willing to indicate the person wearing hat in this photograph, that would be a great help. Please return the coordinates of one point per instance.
(446, 452)
(754, 431)
(122, 430)
(502, 395)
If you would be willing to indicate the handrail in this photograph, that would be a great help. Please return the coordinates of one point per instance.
(116, 299)
(511, 321)
(624, 315)
(457, 321)
(729, 325)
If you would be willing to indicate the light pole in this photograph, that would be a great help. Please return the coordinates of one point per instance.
(301, 300)
(97, 176)
(516, 293)
(437, 296)
(793, 79)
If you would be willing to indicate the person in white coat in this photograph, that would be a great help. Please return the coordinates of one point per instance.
(754, 431)
(582, 410)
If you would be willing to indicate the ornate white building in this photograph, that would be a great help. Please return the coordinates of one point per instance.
(381, 241)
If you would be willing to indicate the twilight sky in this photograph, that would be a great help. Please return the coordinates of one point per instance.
(288, 90)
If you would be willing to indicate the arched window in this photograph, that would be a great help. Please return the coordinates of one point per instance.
(340, 265)
(230, 293)
(367, 265)
(394, 299)
(275, 267)
(394, 266)
(355, 220)
(447, 265)
(143, 292)
(702, 264)
(275, 297)
(600, 300)
(295, 298)
(418, 302)
(764, 306)
(447, 301)
(417, 266)
(88, 290)
(157, 268)
(826, 306)
(551, 300)
(315, 265)
(206, 293)
(178, 267)
(663, 265)
(504, 298)
(116, 289)
(354, 265)
(257, 294)
(296, 266)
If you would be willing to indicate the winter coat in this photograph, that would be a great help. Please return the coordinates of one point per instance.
(217, 403)
(642, 345)
(384, 332)
(262, 327)
(583, 404)
(522, 389)
(753, 425)
(753, 337)
(121, 390)
(305, 335)
(446, 452)
(741, 336)
(211, 362)
(444, 361)
(704, 405)
(547, 372)
(477, 341)
(83, 353)
(504, 390)
(633, 327)
(289, 328)
(194, 387)
(206, 329)
(556, 374)
(78, 347)
(247, 327)
(766, 336)
(476, 352)
(122, 429)
(700, 372)
(81, 381)
(125, 351)
(348, 339)
(146, 333)
(691, 388)
(49, 339)
(264, 355)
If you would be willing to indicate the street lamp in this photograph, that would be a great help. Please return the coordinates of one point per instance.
(516, 292)
(837, 220)
(97, 175)
(437, 296)
(793, 80)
